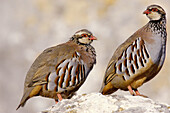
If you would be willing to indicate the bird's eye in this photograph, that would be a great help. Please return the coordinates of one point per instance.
(154, 10)
(84, 35)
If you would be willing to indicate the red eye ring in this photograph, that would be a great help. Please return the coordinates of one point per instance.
(154, 9)
(84, 35)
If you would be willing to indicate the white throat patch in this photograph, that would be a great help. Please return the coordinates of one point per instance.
(154, 16)
(84, 40)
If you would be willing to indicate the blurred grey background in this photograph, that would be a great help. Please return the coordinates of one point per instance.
(27, 27)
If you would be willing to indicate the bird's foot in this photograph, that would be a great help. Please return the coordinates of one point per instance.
(131, 90)
(135, 92)
(138, 94)
(59, 98)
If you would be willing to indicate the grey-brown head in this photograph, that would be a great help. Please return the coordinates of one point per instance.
(83, 37)
(154, 12)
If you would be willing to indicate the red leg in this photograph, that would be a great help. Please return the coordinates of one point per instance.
(130, 90)
(56, 101)
(59, 97)
(137, 92)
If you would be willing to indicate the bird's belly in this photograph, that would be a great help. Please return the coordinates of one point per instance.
(138, 83)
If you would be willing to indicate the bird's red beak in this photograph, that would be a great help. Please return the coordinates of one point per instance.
(146, 12)
(92, 38)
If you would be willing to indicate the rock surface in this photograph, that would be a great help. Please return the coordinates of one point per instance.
(98, 103)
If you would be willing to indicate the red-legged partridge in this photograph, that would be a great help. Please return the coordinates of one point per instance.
(59, 71)
(140, 57)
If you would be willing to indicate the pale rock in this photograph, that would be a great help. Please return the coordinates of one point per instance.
(98, 103)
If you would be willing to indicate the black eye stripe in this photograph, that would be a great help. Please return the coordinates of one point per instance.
(150, 9)
(85, 35)
(155, 10)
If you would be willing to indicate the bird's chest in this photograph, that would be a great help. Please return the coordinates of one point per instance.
(154, 47)
(88, 55)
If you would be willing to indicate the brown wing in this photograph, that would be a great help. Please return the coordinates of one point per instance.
(129, 62)
(68, 74)
(45, 63)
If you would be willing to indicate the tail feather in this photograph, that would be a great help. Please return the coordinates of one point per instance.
(22, 103)
(25, 97)
(108, 89)
(28, 93)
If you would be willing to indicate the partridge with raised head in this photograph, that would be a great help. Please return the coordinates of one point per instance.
(140, 57)
(59, 71)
